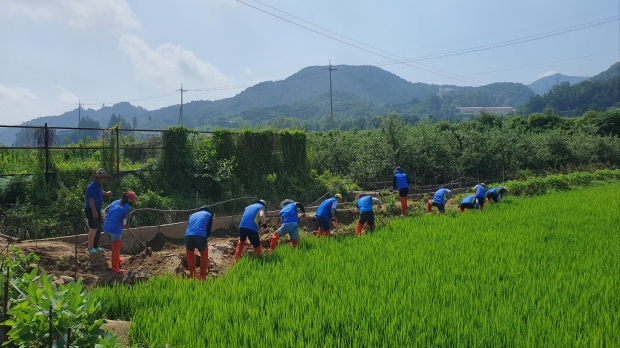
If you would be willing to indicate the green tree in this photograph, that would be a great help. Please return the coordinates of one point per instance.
(118, 120)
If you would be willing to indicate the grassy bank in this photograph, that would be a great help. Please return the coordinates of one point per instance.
(528, 272)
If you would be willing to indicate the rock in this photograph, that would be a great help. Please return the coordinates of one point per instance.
(67, 279)
(59, 282)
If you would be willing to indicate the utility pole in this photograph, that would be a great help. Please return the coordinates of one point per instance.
(79, 119)
(181, 111)
(331, 106)
(79, 109)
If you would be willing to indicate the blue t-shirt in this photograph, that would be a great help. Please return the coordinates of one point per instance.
(495, 190)
(480, 191)
(116, 213)
(364, 204)
(198, 224)
(439, 196)
(289, 213)
(401, 180)
(469, 200)
(325, 209)
(251, 217)
(94, 191)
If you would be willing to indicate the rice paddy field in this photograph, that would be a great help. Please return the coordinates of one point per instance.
(529, 272)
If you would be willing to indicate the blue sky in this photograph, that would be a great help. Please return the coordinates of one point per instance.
(101, 51)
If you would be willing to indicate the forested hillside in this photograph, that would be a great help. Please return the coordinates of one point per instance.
(586, 95)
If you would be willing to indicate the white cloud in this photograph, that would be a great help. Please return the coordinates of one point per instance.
(17, 104)
(66, 97)
(169, 64)
(248, 71)
(548, 73)
(79, 14)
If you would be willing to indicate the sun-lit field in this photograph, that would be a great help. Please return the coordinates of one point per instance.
(538, 272)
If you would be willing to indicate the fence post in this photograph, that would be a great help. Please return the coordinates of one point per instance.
(51, 339)
(47, 154)
(69, 338)
(118, 154)
(5, 306)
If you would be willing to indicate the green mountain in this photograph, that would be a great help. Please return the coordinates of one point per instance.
(359, 91)
(544, 84)
(613, 71)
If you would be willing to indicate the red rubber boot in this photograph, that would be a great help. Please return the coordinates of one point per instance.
(204, 263)
(403, 204)
(358, 229)
(240, 246)
(274, 241)
(191, 262)
(258, 250)
(116, 257)
(429, 206)
(295, 243)
(320, 232)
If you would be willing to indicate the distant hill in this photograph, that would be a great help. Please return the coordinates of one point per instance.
(544, 84)
(70, 119)
(359, 91)
(613, 71)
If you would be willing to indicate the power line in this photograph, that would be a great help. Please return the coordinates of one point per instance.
(407, 61)
(514, 41)
(533, 65)
(364, 49)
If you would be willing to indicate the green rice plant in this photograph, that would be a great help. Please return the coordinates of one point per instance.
(535, 272)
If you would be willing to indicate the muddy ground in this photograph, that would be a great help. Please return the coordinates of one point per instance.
(168, 255)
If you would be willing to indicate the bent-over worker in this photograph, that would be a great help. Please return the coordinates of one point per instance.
(495, 194)
(290, 223)
(253, 217)
(439, 200)
(115, 221)
(401, 183)
(480, 192)
(326, 214)
(367, 216)
(196, 235)
(468, 202)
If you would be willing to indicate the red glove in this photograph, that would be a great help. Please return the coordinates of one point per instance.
(125, 227)
(303, 216)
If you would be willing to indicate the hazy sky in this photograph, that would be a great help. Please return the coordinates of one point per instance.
(53, 52)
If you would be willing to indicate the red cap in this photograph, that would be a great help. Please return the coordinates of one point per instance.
(131, 196)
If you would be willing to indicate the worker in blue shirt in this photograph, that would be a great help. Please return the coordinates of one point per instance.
(290, 223)
(326, 215)
(495, 194)
(468, 202)
(116, 215)
(439, 200)
(400, 182)
(253, 217)
(364, 204)
(92, 209)
(480, 192)
(196, 235)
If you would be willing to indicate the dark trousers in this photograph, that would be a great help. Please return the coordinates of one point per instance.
(245, 233)
(94, 223)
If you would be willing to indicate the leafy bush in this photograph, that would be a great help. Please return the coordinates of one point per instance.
(31, 295)
(560, 182)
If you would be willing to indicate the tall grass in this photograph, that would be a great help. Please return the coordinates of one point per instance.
(540, 272)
